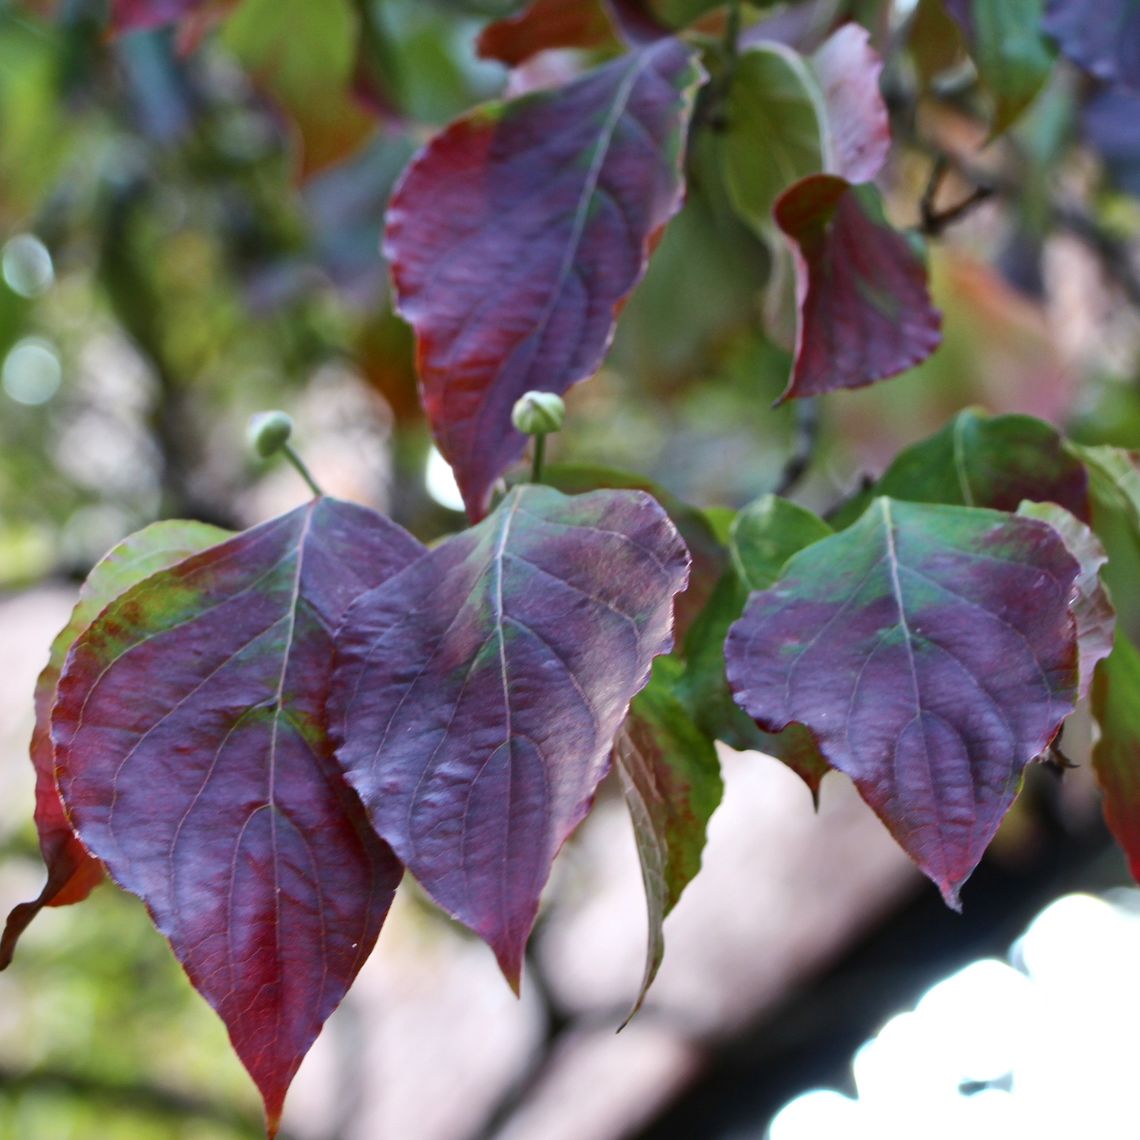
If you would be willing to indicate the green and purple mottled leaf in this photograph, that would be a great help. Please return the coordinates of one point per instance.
(1102, 36)
(864, 308)
(478, 694)
(555, 198)
(932, 653)
(1116, 755)
(193, 758)
(72, 872)
(1012, 56)
(984, 461)
(1092, 609)
(670, 775)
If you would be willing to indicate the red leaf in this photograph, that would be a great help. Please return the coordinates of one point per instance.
(858, 128)
(193, 758)
(931, 651)
(865, 312)
(72, 873)
(555, 199)
(1102, 36)
(545, 24)
(477, 695)
(1116, 755)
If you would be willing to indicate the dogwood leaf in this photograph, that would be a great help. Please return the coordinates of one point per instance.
(556, 198)
(932, 653)
(193, 759)
(478, 694)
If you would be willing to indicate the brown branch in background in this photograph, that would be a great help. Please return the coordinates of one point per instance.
(934, 221)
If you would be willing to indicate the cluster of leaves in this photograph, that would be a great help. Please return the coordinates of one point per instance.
(257, 733)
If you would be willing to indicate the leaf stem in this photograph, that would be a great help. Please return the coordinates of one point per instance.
(539, 456)
(302, 470)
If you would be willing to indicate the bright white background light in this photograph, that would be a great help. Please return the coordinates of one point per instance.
(31, 373)
(1055, 1036)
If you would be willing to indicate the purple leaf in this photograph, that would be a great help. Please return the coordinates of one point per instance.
(477, 695)
(137, 15)
(1102, 36)
(1111, 123)
(72, 872)
(865, 311)
(543, 25)
(858, 129)
(193, 759)
(556, 198)
(671, 779)
(931, 651)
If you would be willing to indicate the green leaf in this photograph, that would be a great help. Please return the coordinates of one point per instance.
(1116, 755)
(670, 775)
(983, 461)
(1012, 56)
(773, 137)
(767, 533)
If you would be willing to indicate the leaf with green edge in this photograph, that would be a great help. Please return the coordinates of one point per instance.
(978, 460)
(1116, 754)
(72, 872)
(1012, 56)
(477, 695)
(857, 131)
(670, 776)
(864, 307)
(1102, 36)
(764, 536)
(194, 760)
(1092, 609)
(772, 136)
(932, 652)
(556, 197)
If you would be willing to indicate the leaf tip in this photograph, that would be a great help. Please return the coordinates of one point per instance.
(951, 896)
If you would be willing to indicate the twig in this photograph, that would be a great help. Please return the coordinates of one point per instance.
(934, 221)
(805, 438)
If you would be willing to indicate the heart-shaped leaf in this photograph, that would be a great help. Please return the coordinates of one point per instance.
(1102, 36)
(193, 758)
(983, 461)
(671, 779)
(1092, 609)
(1116, 755)
(865, 311)
(72, 872)
(555, 198)
(931, 651)
(1013, 58)
(478, 694)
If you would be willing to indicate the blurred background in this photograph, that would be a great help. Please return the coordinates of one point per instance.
(189, 233)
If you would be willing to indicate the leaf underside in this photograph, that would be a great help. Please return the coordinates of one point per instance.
(932, 653)
(477, 695)
(193, 758)
(556, 198)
